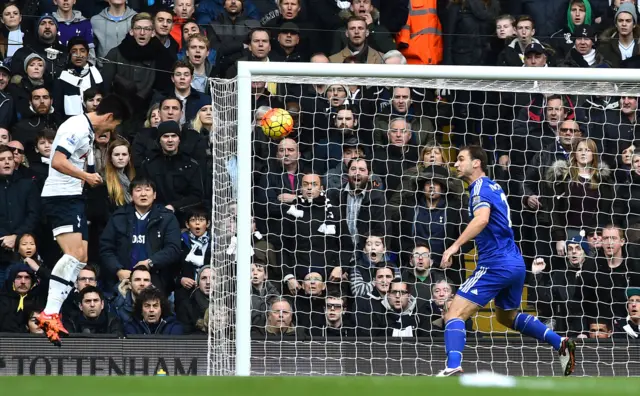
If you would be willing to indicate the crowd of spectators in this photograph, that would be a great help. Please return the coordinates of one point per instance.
(353, 210)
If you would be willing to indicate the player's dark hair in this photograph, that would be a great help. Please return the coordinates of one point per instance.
(149, 294)
(90, 289)
(171, 97)
(91, 93)
(142, 182)
(477, 153)
(115, 105)
(46, 133)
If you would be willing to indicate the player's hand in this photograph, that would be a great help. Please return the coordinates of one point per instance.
(187, 283)
(93, 179)
(123, 274)
(293, 285)
(9, 241)
(447, 255)
(538, 266)
(534, 202)
(561, 248)
(336, 274)
(286, 197)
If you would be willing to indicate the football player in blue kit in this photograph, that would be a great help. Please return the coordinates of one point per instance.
(500, 271)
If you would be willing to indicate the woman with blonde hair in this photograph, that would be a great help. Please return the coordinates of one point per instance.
(580, 193)
(153, 116)
(119, 172)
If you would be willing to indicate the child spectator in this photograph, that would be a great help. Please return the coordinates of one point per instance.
(39, 165)
(91, 98)
(261, 291)
(71, 23)
(196, 251)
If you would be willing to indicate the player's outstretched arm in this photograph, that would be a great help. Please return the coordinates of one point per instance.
(476, 225)
(61, 163)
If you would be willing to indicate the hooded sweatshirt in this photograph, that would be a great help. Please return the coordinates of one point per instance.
(76, 26)
(109, 30)
(587, 16)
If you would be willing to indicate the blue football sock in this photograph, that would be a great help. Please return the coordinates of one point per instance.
(530, 325)
(455, 337)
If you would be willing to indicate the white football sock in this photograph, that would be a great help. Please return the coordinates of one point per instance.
(66, 269)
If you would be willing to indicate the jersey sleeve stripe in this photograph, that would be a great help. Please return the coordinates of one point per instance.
(63, 151)
(477, 187)
(481, 205)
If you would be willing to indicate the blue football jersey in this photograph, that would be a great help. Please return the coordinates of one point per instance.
(495, 243)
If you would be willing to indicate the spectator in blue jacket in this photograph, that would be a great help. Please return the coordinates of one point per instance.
(208, 11)
(152, 315)
(549, 15)
(142, 233)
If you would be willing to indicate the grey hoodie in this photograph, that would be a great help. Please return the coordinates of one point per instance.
(109, 33)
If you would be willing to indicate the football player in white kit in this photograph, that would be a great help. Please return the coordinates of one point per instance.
(63, 203)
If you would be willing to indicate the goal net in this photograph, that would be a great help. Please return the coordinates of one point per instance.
(329, 241)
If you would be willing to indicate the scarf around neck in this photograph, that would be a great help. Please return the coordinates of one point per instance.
(125, 182)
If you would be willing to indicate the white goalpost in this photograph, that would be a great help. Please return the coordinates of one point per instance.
(230, 318)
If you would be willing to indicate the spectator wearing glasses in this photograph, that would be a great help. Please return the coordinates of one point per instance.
(88, 276)
(421, 276)
(400, 317)
(131, 67)
(279, 322)
(336, 322)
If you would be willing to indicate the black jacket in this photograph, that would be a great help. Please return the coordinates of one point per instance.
(32, 44)
(191, 311)
(371, 216)
(195, 101)
(167, 326)
(20, 90)
(627, 204)
(178, 180)
(467, 32)
(12, 318)
(609, 285)
(106, 323)
(619, 133)
(226, 36)
(550, 15)
(7, 110)
(26, 130)
(192, 143)
(162, 243)
(316, 241)
(19, 205)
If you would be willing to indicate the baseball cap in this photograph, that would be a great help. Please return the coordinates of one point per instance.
(579, 240)
(585, 31)
(633, 291)
(289, 27)
(5, 67)
(536, 48)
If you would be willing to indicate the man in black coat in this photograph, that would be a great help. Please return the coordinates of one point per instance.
(45, 38)
(360, 195)
(40, 117)
(177, 175)
(142, 233)
(93, 318)
(621, 130)
(191, 312)
(230, 29)
(19, 207)
(21, 294)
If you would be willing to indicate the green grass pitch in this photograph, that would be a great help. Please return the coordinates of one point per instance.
(306, 386)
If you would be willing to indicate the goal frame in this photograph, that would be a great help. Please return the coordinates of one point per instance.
(247, 71)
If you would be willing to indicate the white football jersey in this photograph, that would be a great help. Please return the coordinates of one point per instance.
(74, 139)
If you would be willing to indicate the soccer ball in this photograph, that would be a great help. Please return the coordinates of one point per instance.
(277, 123)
